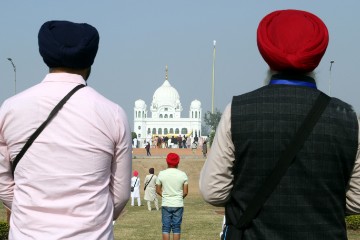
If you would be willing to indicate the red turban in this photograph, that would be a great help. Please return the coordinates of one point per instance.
(292, 40)
(172, 159)
(136, 173)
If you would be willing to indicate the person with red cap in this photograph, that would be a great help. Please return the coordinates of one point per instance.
(320, 184)
(172, 186)
(135, 188)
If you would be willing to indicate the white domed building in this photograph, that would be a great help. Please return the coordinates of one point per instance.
(165, 116)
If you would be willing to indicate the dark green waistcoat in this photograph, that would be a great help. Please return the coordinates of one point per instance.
(309, 202)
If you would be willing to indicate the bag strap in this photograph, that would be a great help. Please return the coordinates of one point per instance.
(148, 182)
(42, 126)
(286, 158)
(135, 182)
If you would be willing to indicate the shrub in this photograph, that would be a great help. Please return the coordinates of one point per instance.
(4, 230)
(353, 222)
(211, 137)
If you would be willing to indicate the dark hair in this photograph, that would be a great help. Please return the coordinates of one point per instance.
(151, 170)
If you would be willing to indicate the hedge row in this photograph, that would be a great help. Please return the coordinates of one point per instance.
(4, 231)
(353, 222)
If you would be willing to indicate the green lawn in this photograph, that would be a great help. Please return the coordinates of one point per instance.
(200, 221)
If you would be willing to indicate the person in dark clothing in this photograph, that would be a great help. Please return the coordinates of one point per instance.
(322, 183)
(179, 140)
(184, 141)
(172, 141)
(166, 141)
(204, 149)
(147, 147)
(196, 139)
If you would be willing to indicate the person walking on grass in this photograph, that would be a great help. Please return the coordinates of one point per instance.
(150, 189)
(147, 147)
(135, 189)
(194, 147)
(204, 149)
(172, 186)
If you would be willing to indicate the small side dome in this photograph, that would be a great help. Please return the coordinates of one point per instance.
(140, 104)
(196, 104)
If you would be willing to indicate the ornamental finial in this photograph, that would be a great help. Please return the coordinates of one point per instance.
(166, 72)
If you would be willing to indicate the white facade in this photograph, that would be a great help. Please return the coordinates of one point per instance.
(165, 116)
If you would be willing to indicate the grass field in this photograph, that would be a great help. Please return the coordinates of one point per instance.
(201, 221)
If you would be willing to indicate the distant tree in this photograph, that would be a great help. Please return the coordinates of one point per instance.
(212, 121)
(133, 135)
(205, 130)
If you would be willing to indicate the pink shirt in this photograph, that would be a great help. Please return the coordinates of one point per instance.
(75, 178)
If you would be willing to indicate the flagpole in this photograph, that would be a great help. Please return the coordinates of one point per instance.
(213, 78)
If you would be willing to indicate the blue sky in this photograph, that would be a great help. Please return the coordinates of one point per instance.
(139, 38)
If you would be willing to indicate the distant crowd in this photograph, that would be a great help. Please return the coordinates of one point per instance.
(173, 142)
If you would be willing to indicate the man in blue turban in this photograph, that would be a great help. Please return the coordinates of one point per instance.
(74, 179)
(64, 44)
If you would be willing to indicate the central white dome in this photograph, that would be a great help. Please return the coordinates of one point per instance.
(166, 95)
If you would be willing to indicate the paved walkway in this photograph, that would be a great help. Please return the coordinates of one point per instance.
(162, 152)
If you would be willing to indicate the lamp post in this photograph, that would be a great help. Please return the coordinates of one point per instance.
(331, 63)
(14, 67)
(213, 79)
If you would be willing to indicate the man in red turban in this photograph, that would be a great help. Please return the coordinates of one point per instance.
(308, 200)
(172, 186)
(172, 159)
(292, 40)
(135, 189)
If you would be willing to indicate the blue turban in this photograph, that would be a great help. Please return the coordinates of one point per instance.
(68, 44)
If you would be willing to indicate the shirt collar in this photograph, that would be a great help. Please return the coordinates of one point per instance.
(64, 77)
(294, 80)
